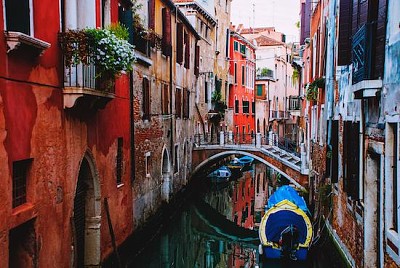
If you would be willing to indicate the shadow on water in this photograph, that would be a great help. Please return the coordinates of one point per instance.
(216, 225)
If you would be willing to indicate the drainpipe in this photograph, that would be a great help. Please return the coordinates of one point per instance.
(330, 76)
(132, 127)
(171, 136)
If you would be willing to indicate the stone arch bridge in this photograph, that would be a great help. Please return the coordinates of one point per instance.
(288, 165)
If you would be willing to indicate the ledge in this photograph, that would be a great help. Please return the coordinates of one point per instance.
(367, 88)
(16, 39)
(72, 94)
(143, 59)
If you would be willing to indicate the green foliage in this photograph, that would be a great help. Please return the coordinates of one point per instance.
(295, 76)
(312, 91)
(105, 48)
(120, 31)
(216, 96)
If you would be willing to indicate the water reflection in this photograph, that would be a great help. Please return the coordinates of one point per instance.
(220, 228)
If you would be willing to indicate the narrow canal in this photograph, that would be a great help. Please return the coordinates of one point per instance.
(217, 226)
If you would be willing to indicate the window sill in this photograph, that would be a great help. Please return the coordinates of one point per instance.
(120, 185)
(17, 39)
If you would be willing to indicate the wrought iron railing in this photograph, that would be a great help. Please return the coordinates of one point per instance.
(85, 76)
(294, 103)
(273, 114)
(288, 145)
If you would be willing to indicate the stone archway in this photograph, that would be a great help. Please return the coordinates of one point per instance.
(87, 215)
(166, 175)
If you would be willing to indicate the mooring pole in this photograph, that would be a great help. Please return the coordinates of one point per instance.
(110, 228)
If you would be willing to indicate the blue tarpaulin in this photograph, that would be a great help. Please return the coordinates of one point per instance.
(287, 192)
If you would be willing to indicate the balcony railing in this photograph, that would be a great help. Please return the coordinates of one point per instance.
(82, 82)
(362, 50)
(265, 74)
(278, 115)
(294, 103)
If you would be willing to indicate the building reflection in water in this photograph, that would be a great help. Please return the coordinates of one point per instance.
(219, 229)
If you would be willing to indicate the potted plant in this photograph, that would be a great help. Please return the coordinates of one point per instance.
(107, 49)
(312, 91)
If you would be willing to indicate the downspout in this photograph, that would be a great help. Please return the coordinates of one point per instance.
(171, 136)
(330, 76)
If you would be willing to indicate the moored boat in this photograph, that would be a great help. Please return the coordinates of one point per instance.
(246, 160)
(222, 173)
(285, 229)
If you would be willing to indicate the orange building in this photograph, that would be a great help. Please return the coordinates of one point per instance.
(241, 91)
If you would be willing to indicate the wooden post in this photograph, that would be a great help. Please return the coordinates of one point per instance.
(110, 228)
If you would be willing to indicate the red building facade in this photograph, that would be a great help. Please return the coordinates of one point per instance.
(241, 90)
(65, 147)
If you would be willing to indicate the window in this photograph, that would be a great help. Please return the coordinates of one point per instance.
(187, 50)
(125, 17)
(120, 143)
(243, 75)
(235, 72)
(393, 155)
(205, 91)
(351, 161)
(178, 103)
(197, 61)
(18, 16)
(236, 105)
(235, 46)
(243, 49)
(176, 158)
(245, 104)
(259, 90)
(253, 107)
(147, 163)
(179, 43)
(165, 99)
(166, 32)
(19, 181)
(186, 100)
(146, 98)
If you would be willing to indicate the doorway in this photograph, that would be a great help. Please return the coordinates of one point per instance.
(87, 216)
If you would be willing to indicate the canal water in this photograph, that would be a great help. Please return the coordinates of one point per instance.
(217, 226)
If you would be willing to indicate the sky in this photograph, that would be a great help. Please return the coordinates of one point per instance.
(283, 14)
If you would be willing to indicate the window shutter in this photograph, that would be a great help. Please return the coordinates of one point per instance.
(179, 43)
(166, 31)
(152, 14)
(178, 103)
(344, 42)
(227, 43)
(146, 98)
(197, 61)
(187, 51)
(165, 99)
(186, 95)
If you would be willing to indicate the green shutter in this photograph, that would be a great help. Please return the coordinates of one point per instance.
(259, 90)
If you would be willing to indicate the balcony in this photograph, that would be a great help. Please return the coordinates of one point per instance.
(265, 74)
(362, 52)
(92, 60)
(294, 105)
(83, 89)
(278, 115)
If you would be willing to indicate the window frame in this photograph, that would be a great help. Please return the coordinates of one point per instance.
(31, 18)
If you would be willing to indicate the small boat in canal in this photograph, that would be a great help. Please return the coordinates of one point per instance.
(246, 160)
(285, 229)
(223, 173)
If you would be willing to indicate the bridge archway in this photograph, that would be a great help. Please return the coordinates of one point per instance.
(221, 155)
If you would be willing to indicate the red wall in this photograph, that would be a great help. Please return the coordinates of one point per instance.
(238, 90)
(34, 124)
